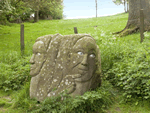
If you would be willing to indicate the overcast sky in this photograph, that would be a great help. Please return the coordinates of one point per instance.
(86, 8)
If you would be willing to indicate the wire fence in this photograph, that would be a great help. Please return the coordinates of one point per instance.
(141, 19)
(70, 28)
(67, 28)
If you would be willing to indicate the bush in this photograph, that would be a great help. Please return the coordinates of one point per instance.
(3, 19)
(14, 72)
(132, 77)
(126, 66)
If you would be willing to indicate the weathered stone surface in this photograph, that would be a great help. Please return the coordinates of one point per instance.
(59, 63)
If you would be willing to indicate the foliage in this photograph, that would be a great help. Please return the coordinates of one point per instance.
(22, 10)
(97, 100)
(13, 10)
(5, 9)
(118, 2)
(14, 74)
(22, 99)
(53, 8)
(131, 73)
(126, 66)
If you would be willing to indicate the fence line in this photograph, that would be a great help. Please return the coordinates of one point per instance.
(75, 30)
(66, 28)
(22, 38)
(70, 28)
(141, 19)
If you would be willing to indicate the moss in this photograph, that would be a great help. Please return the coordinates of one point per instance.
(131, 30)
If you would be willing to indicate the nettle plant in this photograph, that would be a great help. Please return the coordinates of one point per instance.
(13, 74)
(131, 74)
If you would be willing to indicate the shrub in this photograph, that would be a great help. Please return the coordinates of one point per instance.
(14, 72)
(129, 68)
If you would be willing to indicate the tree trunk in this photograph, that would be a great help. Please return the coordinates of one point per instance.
(36, 16)
(124, 6)
(96, 7)
(133, 24)
(127, 7)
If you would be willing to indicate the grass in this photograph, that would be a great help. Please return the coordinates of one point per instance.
(13, 66)
(143, 107)
(10, 35)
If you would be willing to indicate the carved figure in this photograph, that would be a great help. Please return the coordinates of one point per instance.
(70, 62)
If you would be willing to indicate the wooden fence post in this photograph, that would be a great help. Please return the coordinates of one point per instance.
(141, 25)
(22, 38)
(75, 30)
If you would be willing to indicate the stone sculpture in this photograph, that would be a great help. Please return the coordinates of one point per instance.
(59, 63)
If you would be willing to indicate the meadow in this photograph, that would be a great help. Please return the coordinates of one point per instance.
(125, 66)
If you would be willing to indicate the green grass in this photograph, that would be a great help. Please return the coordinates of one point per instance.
(14, 68)
(10, 35)
(143, 107)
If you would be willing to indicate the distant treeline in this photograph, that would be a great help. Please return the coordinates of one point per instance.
(26, 10)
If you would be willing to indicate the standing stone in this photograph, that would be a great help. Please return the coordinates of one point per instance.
(59, 63)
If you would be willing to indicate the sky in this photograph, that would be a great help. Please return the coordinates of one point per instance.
(75, 9)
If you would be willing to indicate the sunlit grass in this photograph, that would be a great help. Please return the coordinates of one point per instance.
(10, 35)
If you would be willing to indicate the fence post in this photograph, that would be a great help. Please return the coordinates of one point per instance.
(22, 38)
(141, 25)
(75, 30)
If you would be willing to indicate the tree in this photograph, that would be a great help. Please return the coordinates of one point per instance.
(21, 10)
(96, 7)
(124, 2)
(53, 8)
(118, 2)
(46, 7)
(5, 9)
(127, 5)
(34, 5)
(133, 24)
(14, 10)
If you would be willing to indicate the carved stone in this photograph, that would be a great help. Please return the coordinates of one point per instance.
(64, 63)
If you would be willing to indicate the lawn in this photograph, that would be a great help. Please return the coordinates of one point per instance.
(123, 59)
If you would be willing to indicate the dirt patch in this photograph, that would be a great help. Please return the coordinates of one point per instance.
(6, 98)
(2, 110)
(117, 109)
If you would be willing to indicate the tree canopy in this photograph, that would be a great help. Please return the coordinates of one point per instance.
(22, 9)
(118, 2)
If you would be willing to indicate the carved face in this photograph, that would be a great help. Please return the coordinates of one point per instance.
(83, 58)
(37, 58)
